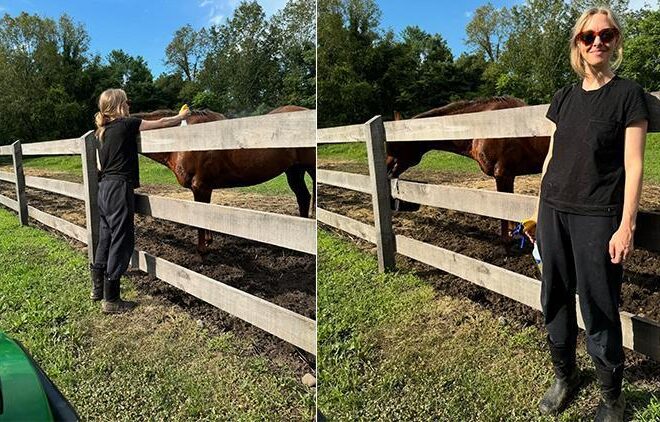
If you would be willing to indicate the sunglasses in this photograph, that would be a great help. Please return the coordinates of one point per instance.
(606, 35)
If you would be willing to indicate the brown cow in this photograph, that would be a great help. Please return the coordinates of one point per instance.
(203, 171)
(503, 159)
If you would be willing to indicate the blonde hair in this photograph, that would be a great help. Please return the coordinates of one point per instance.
(110, 108)
(577, 62)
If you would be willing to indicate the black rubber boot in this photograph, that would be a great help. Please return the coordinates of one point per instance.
(613, 403)
(567, 380)
(97, 275)
(112, 303)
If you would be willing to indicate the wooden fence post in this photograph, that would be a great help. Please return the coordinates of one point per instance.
(17, 157)
(374, 132)
(91, 187)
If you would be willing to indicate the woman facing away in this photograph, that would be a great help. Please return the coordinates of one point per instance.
(118, 177)
(590, 190)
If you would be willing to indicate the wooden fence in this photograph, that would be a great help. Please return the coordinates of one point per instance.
(639, 333)
(295, 233)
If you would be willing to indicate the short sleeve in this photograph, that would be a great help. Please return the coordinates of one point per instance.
(133, 124)
(553, 110)
(635, 106)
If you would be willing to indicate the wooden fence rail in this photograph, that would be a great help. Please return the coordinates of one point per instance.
(639, 334)
(295, 233)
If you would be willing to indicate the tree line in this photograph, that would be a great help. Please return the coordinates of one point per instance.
(50, 83)
(520, 51)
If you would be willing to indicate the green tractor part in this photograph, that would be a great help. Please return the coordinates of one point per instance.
(26, 393)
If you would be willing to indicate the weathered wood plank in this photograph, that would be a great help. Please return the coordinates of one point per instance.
(87, 146)
(19, 176)
(60, 147)
(61, 225)
(9, 203)
(70, 189)
(356, 182)
(290, 232)
(347, 224)
(341, 134)
(5, 150)
(639, 334)
(499, 280)
(508, 206)
(7, 177)
(283, 323)
(494, 204)
(374, 132)
(283, 130)
(507, 123)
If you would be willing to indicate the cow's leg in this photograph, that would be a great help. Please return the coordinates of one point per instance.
(295, 176)
(505, 184)
(204, 237)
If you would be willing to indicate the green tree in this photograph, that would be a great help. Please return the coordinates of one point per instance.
(42, 83)
(242, 68)
(294, 29)
(488, 30)
(187, 50)
(641, 56)
(535, 62)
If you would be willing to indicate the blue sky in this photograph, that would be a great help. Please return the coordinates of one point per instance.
(145, 27)
(139, 27)
(446, 17)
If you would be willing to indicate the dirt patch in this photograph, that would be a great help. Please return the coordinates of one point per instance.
(286, 278)
(478, 237)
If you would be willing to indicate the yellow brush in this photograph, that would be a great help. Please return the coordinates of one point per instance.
(528, 224)
(184, 108)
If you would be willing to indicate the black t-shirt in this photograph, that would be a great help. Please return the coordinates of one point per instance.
(118, 151)
(586, 173)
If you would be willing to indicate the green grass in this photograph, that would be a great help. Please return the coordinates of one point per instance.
(155, 363)
(151, 173)
(445, 161)
(391, 349)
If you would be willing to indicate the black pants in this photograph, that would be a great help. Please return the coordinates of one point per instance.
(117, 228)
(575, 255)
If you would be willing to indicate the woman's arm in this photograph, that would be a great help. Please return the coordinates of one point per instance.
(621, 243)
(165, 121)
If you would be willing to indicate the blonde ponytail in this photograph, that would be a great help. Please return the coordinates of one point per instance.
(111, 107)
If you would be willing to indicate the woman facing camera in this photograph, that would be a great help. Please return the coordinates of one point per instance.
(588, 204)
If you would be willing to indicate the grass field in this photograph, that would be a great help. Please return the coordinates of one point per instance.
(445, 161)
(391, 349)
(151, 173)
(155, 363)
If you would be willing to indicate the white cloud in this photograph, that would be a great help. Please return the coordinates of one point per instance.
(216, 19)
(218, 10)
(638, 4)
(468, 14)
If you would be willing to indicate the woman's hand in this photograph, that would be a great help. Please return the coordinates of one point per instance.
(184, 112)
(621, 244)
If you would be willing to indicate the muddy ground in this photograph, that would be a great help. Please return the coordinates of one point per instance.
(281, 276)
(478, 237)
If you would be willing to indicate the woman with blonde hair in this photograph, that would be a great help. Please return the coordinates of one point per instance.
(118, 177)
(588, 203)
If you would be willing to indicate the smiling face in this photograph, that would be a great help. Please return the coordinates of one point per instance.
(598, 54)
